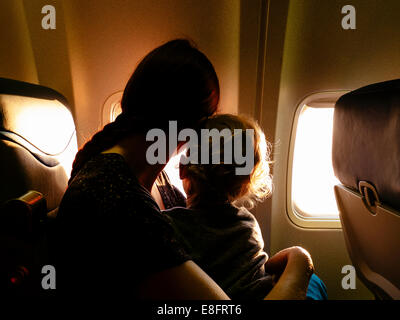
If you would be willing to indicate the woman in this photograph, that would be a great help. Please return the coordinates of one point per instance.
(111, 237)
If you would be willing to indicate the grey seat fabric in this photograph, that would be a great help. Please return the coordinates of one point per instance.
(366, 139)
(366, 160)
(37, 147)
(37, 141)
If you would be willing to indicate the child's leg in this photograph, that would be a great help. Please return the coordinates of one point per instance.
(316, 289)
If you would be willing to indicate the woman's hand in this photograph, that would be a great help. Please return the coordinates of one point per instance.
(188, 281)
(277, 263)
(294, 267)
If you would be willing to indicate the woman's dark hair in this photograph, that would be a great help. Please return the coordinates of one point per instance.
(173, 82)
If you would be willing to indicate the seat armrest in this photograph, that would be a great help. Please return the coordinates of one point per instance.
(22, 216)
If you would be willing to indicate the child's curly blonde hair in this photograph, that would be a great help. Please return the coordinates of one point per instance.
(220, 181)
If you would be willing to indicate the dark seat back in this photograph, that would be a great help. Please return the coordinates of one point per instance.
(366, 160)
(37, 147)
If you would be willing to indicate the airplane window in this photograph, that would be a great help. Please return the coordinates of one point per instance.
(115, 110)
(312, 173)
(112, 107)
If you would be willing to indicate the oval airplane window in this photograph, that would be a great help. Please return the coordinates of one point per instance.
(311, 198)
(112, 107)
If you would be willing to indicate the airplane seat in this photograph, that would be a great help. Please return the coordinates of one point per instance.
(37, 148)
(366, 160)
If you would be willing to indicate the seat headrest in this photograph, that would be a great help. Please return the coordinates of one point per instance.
(366, 139)
(36, 117)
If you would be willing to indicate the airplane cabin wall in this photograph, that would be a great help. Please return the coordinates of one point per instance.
(108, 39)
(96, 46)
(319, 55)
(16, 54)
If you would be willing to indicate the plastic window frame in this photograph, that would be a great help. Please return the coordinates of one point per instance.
(326, 99)
(109, 106)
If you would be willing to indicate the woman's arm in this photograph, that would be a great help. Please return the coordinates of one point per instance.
(189, 282)
(184, 282)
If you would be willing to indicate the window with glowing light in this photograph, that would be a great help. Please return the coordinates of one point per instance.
(312, 178)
